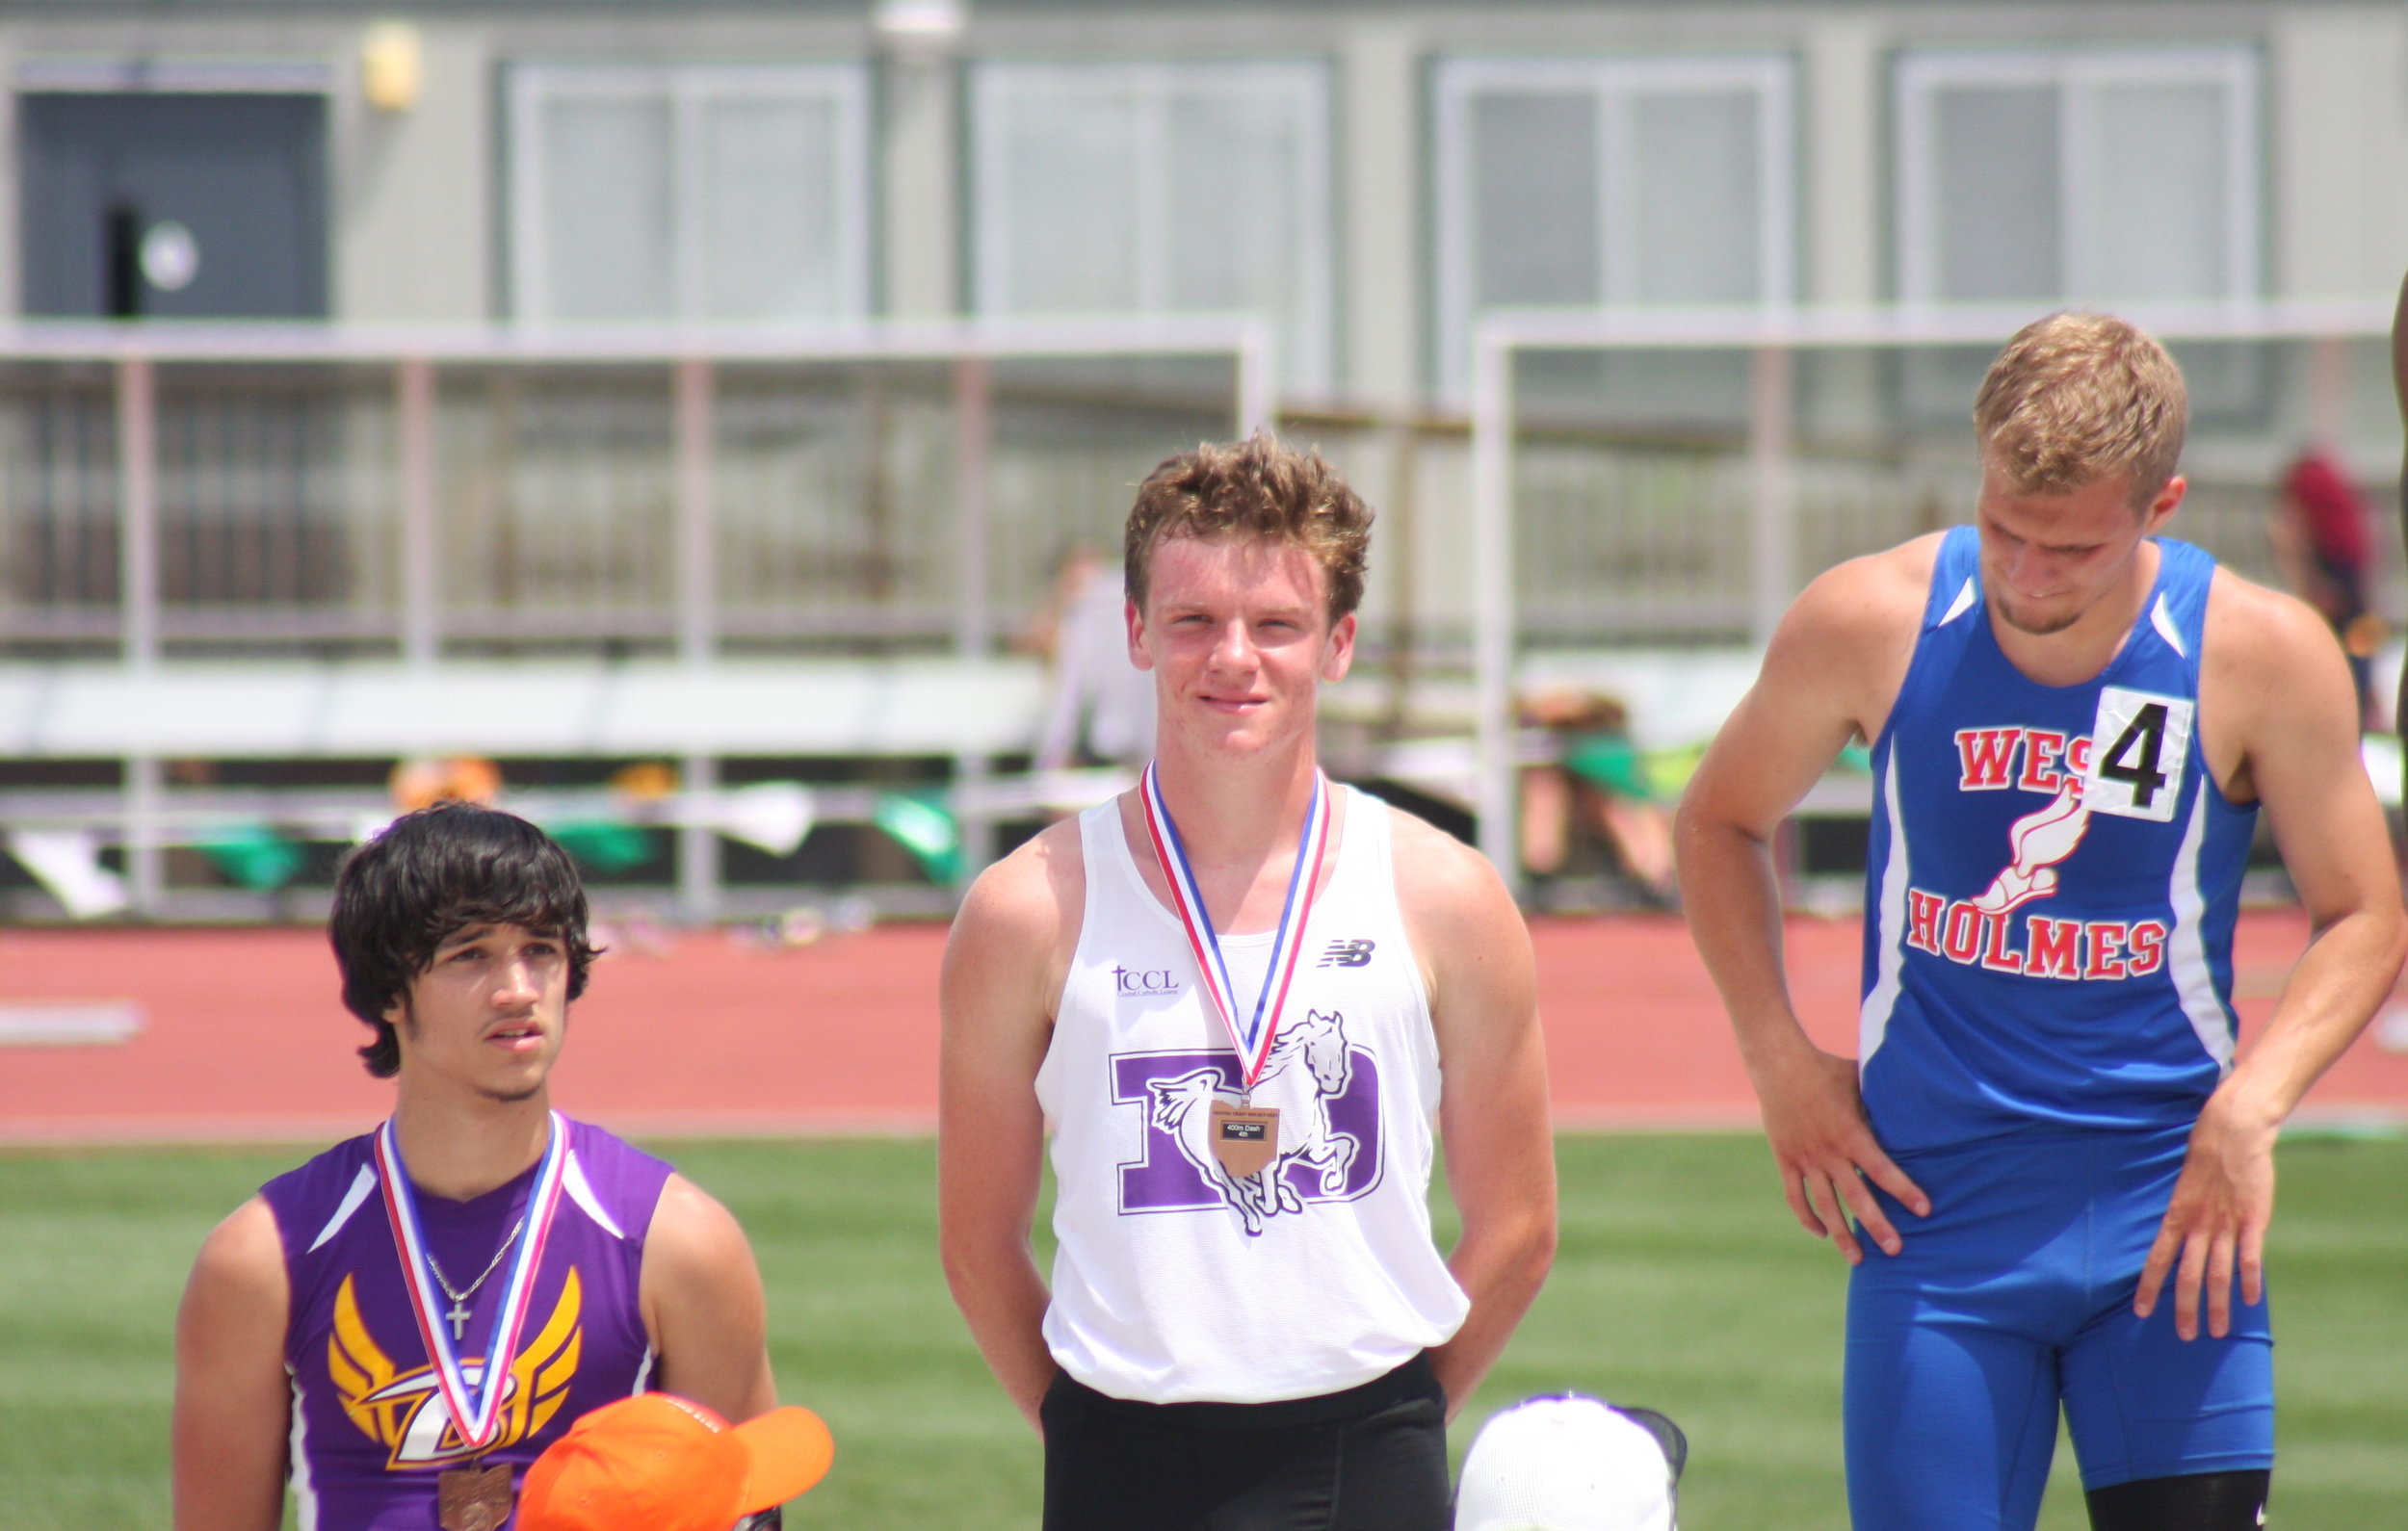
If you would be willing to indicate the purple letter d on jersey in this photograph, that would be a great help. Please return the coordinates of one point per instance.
(1338, 1160)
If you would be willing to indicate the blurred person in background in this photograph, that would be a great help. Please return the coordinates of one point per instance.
(2324, 543)
(1101, 709)
(402, 1325)
(1599, 787)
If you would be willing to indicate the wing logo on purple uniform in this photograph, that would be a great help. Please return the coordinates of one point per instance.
(1329, 1149)
(406, 1412)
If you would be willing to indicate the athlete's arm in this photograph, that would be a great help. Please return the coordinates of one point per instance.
(2275, 692)
(1833, 669)
(700, 1293)
(1005, 964)
(2399, 391)
(1492, 1116)
(232, 1402)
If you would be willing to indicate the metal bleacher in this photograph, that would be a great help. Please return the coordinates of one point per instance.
(248, 570)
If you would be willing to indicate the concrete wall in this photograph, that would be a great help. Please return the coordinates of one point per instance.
(417, 235)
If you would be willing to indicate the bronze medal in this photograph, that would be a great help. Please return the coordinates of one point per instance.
(474, 1498)
(1244, 1137)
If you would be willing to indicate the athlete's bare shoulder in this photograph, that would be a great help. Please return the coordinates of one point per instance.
(1454, 904)
(1473, 948)
(2271, 678)
(1434, 868)
(2253, 628)
(1876, 599)
(1842, 649)
(245, 1252)
(1019, 926)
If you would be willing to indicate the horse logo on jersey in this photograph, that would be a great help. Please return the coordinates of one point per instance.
(1330, 1140)
(405, 1410)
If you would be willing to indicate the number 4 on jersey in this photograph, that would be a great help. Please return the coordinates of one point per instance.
(2138, 748)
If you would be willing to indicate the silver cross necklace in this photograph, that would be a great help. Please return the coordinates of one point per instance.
(457, 1312)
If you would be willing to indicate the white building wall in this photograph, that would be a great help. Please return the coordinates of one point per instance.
(919, 201)
(1380, 147)
(415, 236)
(1842, 64)
(2339, 150)
(413, 230)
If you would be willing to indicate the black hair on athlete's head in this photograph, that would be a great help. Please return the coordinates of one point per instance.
(430, 874)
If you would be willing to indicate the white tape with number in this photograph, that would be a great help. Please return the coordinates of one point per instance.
(2138, 749)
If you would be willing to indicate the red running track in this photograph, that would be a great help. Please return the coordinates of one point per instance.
(245, 1038)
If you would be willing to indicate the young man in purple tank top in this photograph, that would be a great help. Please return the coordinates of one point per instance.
(1245, 565)
(399, 1327)
(2048, 1130)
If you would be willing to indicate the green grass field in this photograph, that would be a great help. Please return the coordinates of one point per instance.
(1682, 1284)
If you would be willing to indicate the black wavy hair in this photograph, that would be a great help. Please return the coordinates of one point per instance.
(430, 875)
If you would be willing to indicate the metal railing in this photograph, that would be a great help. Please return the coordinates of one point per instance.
(165, 488)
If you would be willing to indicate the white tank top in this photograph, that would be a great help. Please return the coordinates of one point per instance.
(1175, 1283)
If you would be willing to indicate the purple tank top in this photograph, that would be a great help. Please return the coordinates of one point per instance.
(371, 1431)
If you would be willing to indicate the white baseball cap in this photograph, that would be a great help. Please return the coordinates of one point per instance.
(1570, 1463)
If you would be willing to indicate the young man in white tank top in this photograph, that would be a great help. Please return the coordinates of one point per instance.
(1234, 994)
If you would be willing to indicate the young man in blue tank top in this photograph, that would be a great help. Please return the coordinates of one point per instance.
(2074, 722)
(1232, 993)
(400, 1326)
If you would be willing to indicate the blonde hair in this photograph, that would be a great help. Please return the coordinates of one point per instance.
(1254, 490)
(2078, 398)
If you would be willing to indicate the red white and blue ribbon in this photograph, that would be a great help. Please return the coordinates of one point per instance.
(1252, 1039)
(476, 1412)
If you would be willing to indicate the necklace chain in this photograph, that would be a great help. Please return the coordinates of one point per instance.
(508, 1240)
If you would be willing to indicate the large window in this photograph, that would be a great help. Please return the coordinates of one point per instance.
(698, 194)
(1158, 188)
(2093, 175)
(1610, 182)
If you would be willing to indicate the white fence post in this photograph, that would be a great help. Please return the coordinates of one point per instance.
(138, 610)
(1257, 381)
(1493, 616)
(698, 626)
(413, 399)
(138, 511)
(974, 441)
(1773, 572)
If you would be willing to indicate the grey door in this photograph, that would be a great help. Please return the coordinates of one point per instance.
(173, 205)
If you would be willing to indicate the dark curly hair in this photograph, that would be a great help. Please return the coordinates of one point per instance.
(434, 872)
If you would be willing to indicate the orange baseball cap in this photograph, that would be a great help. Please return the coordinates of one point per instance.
(657, 1462)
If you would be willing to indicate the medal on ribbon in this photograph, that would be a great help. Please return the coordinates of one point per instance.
(476, 1409)
(473, 1499)
(1244, 1137)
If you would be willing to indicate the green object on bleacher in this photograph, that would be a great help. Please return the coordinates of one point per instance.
(604, 844)
(921, 825)
(253, 856)
(1612, 761)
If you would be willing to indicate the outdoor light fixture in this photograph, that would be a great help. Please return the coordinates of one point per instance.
(390, 74)
(930, 25)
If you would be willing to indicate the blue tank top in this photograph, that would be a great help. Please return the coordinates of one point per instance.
(2052, 881)
(371, 1433)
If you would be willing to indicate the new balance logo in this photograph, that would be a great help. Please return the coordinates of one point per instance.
(1345, 953)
